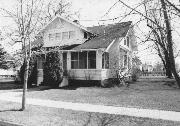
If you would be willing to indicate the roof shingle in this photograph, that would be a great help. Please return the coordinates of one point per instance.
(105, 35)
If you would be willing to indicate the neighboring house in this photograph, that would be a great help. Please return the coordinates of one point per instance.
(93, 53)
(146, 67)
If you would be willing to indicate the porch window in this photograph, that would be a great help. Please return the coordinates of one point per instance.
(82, 60)
(105, 60)
(71, 34)
(92, 60)
(74, 60)
(65, 35)
(58, 36)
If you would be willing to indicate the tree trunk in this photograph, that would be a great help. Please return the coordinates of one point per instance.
(168, 66)
(170, 43)
(25, 84)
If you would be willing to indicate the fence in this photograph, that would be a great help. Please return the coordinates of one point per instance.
(153, 74)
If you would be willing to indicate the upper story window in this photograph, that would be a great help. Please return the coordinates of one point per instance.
(58, 36)
(65, 35)
(71, 34)
(124, 41)
(85, 35)
(128, 41)
(51, 37)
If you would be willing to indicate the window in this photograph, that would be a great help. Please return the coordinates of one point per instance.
(58, 36)
(124, 41)
(105, 60)
(65, 35)
(92, 60)
(79, 60)
(128, 41)
(74, 60)
(85, 35)
(51, 37)
(82, 60)
(71, 34)
(125, 61)
(129, 64)
(40, 61)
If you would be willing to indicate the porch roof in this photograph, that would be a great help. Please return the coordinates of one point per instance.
(105, 35)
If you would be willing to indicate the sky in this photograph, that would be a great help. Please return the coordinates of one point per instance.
(95, 10)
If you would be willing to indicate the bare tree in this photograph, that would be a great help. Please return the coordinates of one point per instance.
(165, 33)
(29, 17)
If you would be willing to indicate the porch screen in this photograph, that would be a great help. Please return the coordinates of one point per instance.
(82, 60)
(92, 60)
(74, 60)
(105, 60)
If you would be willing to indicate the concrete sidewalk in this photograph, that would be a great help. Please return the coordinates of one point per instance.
(145, 113)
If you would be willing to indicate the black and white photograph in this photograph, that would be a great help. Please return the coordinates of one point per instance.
(89, 62)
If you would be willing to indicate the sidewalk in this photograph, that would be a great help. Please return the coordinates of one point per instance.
(145, 113)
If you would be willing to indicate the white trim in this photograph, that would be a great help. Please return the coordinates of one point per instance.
(107, 49)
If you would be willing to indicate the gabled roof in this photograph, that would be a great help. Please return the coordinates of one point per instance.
(71, 22)
(105, 35)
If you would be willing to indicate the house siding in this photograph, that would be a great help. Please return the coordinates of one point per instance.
(59, 26)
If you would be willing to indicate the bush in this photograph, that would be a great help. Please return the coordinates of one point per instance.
(135, 73)
(111, 82)
(53, 71)
(32, 72)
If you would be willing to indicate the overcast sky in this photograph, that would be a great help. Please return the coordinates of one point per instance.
(96, 10)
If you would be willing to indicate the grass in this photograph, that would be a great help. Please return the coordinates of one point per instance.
(149, 94)
(43, 116)
(161, 95)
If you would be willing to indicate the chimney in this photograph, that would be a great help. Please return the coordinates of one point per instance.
(76, 21)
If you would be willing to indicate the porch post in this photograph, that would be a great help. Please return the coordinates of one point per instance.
(68, 60)
(98, 60)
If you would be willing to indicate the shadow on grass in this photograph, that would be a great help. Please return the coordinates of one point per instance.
(73, 85)
(9, 85)
(11, 110)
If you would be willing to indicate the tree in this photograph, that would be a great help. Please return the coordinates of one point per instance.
(157, 34)
(165, 32)
(3, 64)
(170, 42)
(29, 16)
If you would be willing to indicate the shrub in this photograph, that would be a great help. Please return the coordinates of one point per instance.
(53, 71)
(111, 82)
(135, 73)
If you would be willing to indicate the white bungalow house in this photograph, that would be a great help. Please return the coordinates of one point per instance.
(93, 53)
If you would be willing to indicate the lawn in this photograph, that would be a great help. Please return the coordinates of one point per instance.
(43, 116)
(143, 94)
(161, 95)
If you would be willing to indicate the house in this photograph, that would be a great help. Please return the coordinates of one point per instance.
(92, 53)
